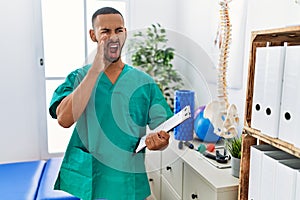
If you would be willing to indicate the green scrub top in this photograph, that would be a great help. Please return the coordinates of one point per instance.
(99, 162)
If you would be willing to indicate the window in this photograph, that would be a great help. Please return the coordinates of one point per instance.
(66, 47)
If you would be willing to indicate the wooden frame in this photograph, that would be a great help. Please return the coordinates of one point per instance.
(250, 136)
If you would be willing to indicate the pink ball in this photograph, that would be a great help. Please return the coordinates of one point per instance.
(198, 110)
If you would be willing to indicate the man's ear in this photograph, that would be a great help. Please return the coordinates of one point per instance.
(125, 33)
(93, 36)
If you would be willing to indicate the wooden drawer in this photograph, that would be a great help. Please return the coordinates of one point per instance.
(172, 168)
(167, 192)
(155, 183)
(194, 187)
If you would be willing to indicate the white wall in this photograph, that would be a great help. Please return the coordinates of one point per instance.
(146, 12)
(196, 25)
(22, 86)
(197, 20)
(179, 23)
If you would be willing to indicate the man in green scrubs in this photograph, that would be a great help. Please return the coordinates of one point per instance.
(111, 104)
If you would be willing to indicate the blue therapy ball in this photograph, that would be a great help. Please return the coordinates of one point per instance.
(203, 128)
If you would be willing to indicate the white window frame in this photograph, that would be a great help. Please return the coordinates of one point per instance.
(45, 137)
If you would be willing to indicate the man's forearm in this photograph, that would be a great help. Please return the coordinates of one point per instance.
(72, 106)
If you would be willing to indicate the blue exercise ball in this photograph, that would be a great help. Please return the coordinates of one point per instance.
(203, 128)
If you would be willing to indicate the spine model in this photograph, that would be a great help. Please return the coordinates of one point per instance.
(224, 54)
(221, 114)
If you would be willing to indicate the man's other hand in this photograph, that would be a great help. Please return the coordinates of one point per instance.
(157, 141)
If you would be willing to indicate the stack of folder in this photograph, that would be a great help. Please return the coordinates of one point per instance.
(267, 89)
(274, 174)
(256, 155)
(276, 97)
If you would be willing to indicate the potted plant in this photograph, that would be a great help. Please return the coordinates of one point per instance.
(151, 54)
(234, 146)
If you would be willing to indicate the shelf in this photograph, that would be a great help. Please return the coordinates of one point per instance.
(275, 37)
(280, 35)
(289, 36)
(285, 146)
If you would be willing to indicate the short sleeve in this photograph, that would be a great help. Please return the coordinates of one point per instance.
(160, 111)
(61, 92)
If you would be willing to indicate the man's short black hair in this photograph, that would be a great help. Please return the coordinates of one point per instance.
(104, 11)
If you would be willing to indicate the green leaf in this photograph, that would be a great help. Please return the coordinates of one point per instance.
(234, 146)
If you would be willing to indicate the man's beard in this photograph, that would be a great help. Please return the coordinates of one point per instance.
(113, 60)
(116, 60)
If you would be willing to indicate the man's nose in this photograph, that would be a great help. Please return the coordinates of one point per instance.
(114, 37)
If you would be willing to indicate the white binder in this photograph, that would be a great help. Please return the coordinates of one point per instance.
(290, 109)
(268, 173)
(258, 90)
(267, 89)
(286, 178)
(256, 154)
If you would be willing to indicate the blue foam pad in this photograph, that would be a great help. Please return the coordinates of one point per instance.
(20, 180)
(46, 191)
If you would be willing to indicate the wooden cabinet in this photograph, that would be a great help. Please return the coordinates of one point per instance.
(153, 167)
(172, 167)
(168, 191)
(251, 136)
(155, 184)
(195, 187)
(186, 175)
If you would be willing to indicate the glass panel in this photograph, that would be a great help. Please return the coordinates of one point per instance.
(58, 137)
(63, 33)
(64, 36)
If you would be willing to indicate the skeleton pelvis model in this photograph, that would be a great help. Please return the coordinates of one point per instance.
(223, 116)
(225, 121)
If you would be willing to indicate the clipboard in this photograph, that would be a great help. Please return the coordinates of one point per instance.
(168, 125)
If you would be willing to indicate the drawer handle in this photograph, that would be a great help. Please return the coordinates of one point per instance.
(194, 196)
(150, 179)
(168, 168)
